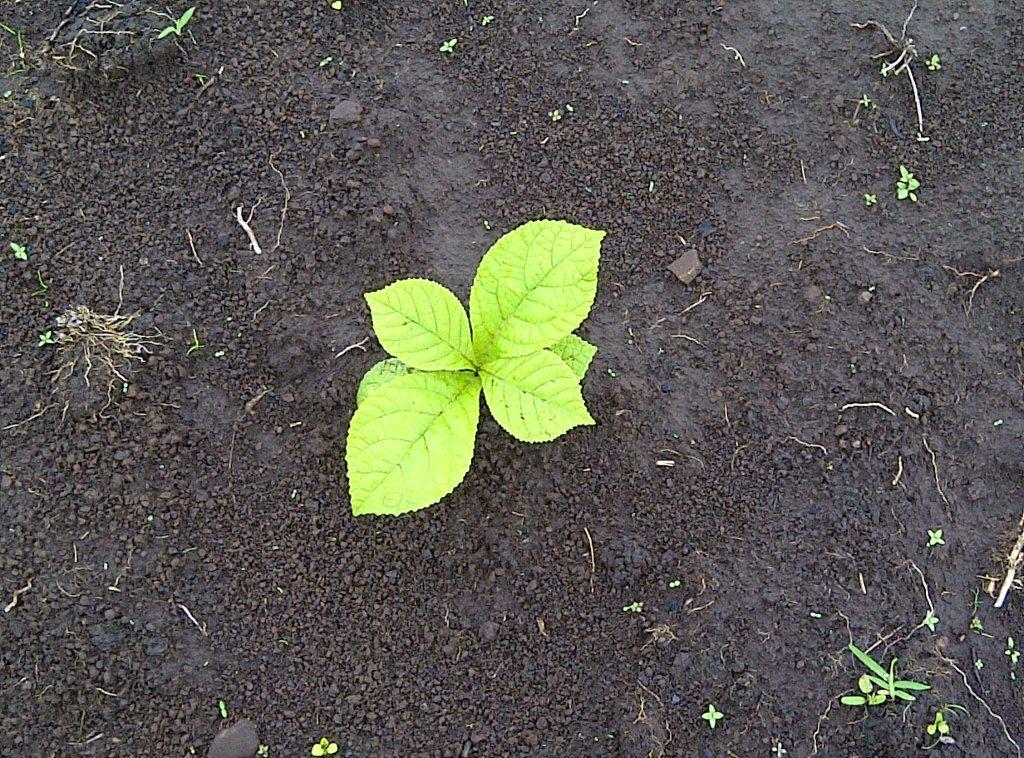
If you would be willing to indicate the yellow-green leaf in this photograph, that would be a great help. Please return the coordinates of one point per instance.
(411, 441)
(536, 397)
(533, 287)
(423, 325)
(379, 374)
(576, 352)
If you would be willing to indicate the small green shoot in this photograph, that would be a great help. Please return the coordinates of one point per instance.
(866, 102)
(976, 625)
(196, 345)
(201, 78)
(46, 338)
(336, 5)
(930, 621)
(486, 20)
(555, 115)
(223, 708)
(674, 584)
(263, 751)
(979, 664)
(712, 715)
(934, 63)
(449, 46)
(870, 199)
(935, 538)
(20, 251)
(880, 686)
(634, 607)
(906, 185)
(326, 61)
(1011, 651)
(178, 26)
(44, 285)
(324, 747)
(939, 725)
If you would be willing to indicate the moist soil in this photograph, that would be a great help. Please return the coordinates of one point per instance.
(718, 538)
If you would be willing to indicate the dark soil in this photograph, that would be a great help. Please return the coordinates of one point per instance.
(215, 481)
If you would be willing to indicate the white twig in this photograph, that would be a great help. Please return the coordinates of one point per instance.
(735, 53)
(1013, 561)
(17, 596)
(192, 244)
(885, 408)
(361, 345)
(184, 609)
(244, 223)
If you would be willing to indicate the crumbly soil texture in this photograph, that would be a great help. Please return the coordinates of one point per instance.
(775, 438)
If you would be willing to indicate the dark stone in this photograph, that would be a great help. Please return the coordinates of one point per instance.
(237, 741)
(686, 266)
(347, 112)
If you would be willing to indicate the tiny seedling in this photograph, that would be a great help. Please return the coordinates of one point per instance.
(1011, 651)
(223, 708)
(939, 726)
(20, 251)
(46, 338)
(907, 185)
(778, 751)
(934, 63)
(486, 20)
(411, 438)
(930, 621)
(866, 102)
(263, 751)
(323, 747)
(196, 345)
(935, 538)
(44, 286)
(674, 584)
(336, 5)
(326, 61)
(870, 199)
(880, 686)
(555, 115)
(178, 25)
(712, 715)
(634, 607)
(449, 46)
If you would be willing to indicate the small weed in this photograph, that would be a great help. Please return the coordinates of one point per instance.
(336, 5)
(935, 538)
(44, 285)
(1012, 651)
(20, 251)
(712, 715)
(930, 621)
(263, 751)
(196, 345)
(326, 61)
(201, 78)
(906, 185)
(178, 25)
(880, 686)
(674, 583)
(939, 725)
(979, 664)
(778, 751)
(866, 102)
(555, 115)
(870, 199)
(46, 338)
(222, 707)
(486, 20)
(324, 747)
(976, 625)
(634, 607)
(449, 46)
(934, 63)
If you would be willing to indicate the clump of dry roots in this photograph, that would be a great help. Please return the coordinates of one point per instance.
(88, 340)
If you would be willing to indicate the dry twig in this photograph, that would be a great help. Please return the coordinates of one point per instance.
(1013, 562)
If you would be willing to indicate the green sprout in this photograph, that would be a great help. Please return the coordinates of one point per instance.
(20, 251)
(263, 751)
(196, 345)
(486, 20)
(866, 102)
(934, 538)
(46, 338)
(336, 5)
(178, 25)
(517, 347)
(712, 715)
(880, 686)
(930, 621)
(870, 199)
(1012, 651)
(555, 115)
(934, 63)
(449, 46)
(674, 583)
(938, 726)
(777, 750)
(326, 61)
(223, 708)
(324, 747)
(634, 607)
(44, 285)
(906, 185)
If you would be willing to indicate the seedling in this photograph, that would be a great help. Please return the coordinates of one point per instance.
(935, 538)
(712, 715)
(930, 621)
(880, 685)
(20, 252)
(870, 199)
(674, 584)
(486, 20)
(1012, 651)
(555, 115)
(178, 25)
(934, 63)
(336, 5)
(44, 285)
(906, 185)
(196, 345)
(866, 102)
(324, 747)
(326, 61)
(939, 725)
(634, 607)
(411, 439)
(46, 338)
(223, 708)
(263, 751)
(449, 46)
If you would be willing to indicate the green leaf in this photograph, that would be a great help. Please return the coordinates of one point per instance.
(853, 700)
(423, 325)
(535, 398)
(904, 696)
(868, 661)
(576, 352)
(904, 684)
(533, 287)
(411, 442)
(379, 374)
(864, 684)
(185, 18)
(166, 32)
